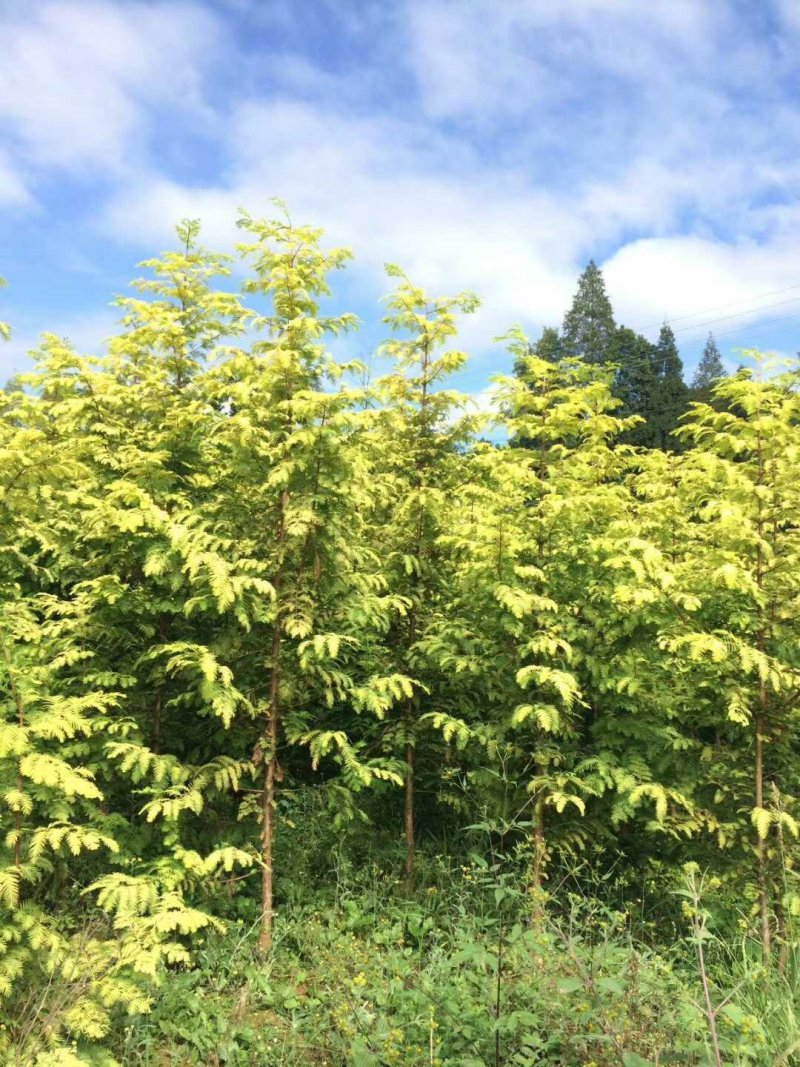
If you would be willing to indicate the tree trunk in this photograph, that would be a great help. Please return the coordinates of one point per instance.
(270, 749)
(538, 860)
(539, 846)
(411, 718)
(409, 817)
(158, 711)
(539, 834)
(761, 725)
(268, 797)
(761, 844)
(157, 720)
(17, 697)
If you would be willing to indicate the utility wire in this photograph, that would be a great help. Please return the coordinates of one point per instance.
(656, 362)
(663, 359)
(718, 307)
(754, 329)
(724, 318)
(783, 318)
(737, 315)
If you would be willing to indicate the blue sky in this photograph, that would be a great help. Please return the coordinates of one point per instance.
(484, 145)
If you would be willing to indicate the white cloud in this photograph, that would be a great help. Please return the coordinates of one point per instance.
(486, 401)
(477, 58)
(86, 332)
(380, 187)
(78, 76)
(633, 90)
(374, 187)
(789, 15)
(507, 144)
(13, 190)
(672, 278)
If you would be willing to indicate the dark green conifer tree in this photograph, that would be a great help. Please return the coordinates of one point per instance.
(671, 393)
(635, 383)
(709, 370)
(589, 331)
(549, 345)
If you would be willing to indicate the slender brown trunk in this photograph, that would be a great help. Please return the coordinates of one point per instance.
(15, 693)
(539, 846)
(539, 842)
(409, 817)
(782, 936)
(761, 728)
(268, 798)
(761, 844)
(158, 712)
(411, 706)
(157, 718)
(18, 821)
(408, 814)
(538, 860)
(270, 748)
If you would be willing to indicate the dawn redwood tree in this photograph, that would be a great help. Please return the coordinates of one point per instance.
(548, 347)
(621, 753)
(94, 463)
(741, 490)
(580, 521)
(423, 433)
(646, 723)
(291, 490)
(162, 590)
(515, 582)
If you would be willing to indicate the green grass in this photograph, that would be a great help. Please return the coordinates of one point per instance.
(362, 976)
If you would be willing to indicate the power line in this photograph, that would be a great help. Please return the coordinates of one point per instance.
(718, 307)
(656, 362)
(783, 318)
(695, 342)
(726, 333)
(737, 315)
(724, 318)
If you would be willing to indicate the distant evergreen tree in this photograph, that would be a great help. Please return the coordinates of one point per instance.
(709, 369)
(649, 377)
(671, 393)
(547, 347)
(635, 382)
(589, 331)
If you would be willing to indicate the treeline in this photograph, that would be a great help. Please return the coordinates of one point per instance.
(231, 574)
(648, 377)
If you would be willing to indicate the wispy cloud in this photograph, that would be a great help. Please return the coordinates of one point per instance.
(487, 146)
(87, 332)
(83, 81)
(13, 190)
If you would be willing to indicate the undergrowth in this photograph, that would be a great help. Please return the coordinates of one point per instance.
(473, 970)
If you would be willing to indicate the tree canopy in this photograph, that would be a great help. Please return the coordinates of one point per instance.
(236, 583)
